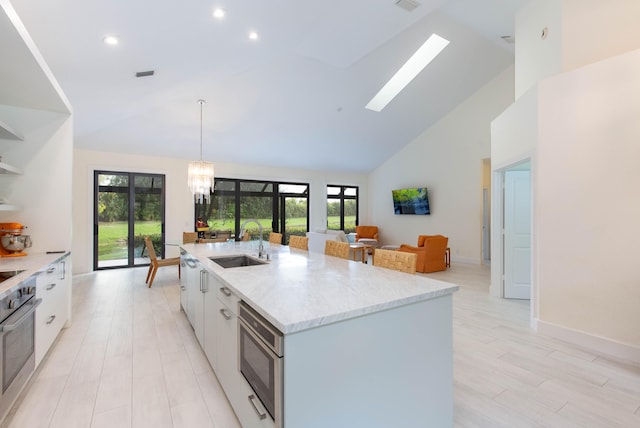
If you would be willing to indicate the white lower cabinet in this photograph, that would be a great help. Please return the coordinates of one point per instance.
(52, 286)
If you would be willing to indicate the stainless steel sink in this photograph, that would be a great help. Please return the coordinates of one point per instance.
(236, 261)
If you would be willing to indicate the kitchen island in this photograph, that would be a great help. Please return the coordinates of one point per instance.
(363, 346)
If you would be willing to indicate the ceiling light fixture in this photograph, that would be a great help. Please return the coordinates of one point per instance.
(418, 61)
(201, 178)
(110, 40)
(218, 13)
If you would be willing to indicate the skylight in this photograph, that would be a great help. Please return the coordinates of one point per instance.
(418, 61)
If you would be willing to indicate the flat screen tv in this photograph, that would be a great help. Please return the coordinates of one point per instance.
(411, 201)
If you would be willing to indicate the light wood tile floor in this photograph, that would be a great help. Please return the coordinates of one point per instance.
(130, 359)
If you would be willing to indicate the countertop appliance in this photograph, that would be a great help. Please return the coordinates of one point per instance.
(17, 340)
(261, 358)
(13, 240)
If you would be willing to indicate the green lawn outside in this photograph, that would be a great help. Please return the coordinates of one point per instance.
(112, 236)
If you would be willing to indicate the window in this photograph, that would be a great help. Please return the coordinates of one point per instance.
(278, 207)
(342, 208)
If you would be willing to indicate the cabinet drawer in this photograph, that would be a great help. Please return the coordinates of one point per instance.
(227, 297)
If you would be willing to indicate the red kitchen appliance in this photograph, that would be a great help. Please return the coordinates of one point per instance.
(12, 240)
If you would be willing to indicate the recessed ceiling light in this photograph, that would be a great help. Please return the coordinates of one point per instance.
(418, 61)
(218, 13)
(110, 40)
(253, 35)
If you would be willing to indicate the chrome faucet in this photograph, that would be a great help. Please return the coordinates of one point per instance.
(242, 229)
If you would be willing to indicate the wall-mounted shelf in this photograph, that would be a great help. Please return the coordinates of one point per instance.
(8, 169)
(8, 133)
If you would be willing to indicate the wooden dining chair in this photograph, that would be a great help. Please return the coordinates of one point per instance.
(300, 242)
(155, 263)
(396, 260)
(275, 238)
(336, 249)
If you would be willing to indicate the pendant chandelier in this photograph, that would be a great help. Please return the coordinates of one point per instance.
(200, 172)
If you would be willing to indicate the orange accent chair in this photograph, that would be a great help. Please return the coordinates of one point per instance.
(368, 232)
(431, 251)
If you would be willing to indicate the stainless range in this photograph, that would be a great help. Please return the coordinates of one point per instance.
(17, 340)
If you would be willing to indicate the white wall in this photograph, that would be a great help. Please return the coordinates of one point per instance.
(179, 202)
(588, 205)
(447, 159)
(595, 29)
(43, 189)
(537, 58)
(580, 32)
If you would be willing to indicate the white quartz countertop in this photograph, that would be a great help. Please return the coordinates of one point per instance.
(30, 265)
(299, 290)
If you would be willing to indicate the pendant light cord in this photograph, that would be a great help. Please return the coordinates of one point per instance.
(201, 102)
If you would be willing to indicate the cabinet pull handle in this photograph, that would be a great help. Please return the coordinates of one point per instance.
(225, 291)
(182, 287)
(51, 318)
(252, 399)
(51, 286)
(225, 314)
(51, 270)
(63, 274)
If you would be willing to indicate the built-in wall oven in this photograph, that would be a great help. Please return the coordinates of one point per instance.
(17, 341)
(261, 359)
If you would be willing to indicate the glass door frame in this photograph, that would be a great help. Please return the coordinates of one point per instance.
(130, 216)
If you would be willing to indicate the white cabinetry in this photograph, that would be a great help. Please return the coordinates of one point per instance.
(227, 338)
(201, 305)
(52, 286)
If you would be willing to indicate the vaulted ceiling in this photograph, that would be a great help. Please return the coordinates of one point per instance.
(294, 97)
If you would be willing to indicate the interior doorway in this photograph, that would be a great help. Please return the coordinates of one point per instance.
(512, 224)
(486, 212)
(517, 232)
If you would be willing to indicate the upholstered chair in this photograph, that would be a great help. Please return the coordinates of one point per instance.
(366, 232)
(431, 251)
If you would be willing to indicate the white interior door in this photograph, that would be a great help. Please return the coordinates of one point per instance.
(517, 235)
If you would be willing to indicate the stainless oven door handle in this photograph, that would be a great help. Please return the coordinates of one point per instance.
(10, 327)
(252, 399)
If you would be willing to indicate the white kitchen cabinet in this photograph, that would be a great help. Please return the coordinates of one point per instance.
(184, 290)
(192, 275)
(201, 307)
(52, 286)
(210, 342)
(227, 337)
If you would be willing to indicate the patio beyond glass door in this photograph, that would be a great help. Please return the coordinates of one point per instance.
(128, 207)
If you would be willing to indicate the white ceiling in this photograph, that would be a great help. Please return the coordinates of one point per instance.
(294, 98)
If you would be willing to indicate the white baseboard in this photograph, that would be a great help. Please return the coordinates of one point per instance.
(601, 345)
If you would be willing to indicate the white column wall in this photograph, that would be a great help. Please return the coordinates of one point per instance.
(588, 205)
(447, 159)
(179, 202)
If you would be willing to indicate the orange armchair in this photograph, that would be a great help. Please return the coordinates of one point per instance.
(368, 232)
(431, 252)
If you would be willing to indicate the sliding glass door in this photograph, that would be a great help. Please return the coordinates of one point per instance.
(127, 207)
